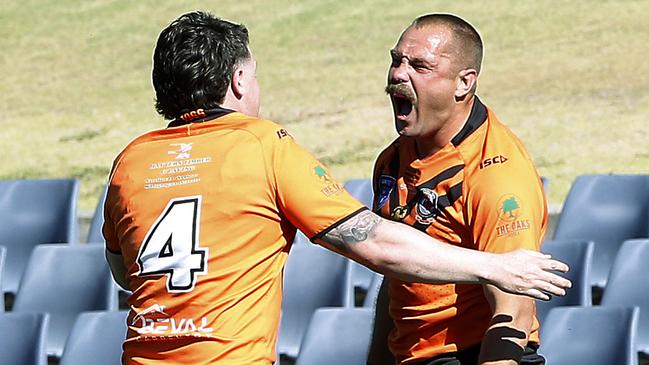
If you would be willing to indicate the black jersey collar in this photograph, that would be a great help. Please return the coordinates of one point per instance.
(476, 118)
(199, 115)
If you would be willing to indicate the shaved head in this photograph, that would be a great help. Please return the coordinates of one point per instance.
(466, 46)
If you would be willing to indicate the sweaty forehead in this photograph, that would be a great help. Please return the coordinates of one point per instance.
(425, 42)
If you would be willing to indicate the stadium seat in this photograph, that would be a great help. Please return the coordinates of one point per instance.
(628, 285)
(373, 291)
(97, 222)
(360, 277)
(607, 209)
(313, 277)
(590, 335)
(301, 239)
(22, 338)
(546, 184)
(361, 189)
(65, 280)
(34, 212)
(3, 255)
(337, 336)
(578, 255)
(98, 336)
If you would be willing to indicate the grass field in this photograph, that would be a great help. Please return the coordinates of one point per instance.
(570, 77)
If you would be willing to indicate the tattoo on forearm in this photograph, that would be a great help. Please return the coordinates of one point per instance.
(356, 229)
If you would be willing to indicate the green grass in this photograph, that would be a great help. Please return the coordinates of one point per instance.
(569, 77)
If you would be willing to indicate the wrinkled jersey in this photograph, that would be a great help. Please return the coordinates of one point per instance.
(203, 215)
(481, 191)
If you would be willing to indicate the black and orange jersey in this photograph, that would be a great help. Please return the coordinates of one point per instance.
(481, 191)
(203, 215)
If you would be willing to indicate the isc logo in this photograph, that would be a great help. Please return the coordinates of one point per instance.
(493, 161)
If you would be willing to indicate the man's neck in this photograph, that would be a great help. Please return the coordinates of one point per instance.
(428, 145)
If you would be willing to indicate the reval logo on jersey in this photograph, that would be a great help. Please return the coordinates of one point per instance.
(154, 320)
(182, 151)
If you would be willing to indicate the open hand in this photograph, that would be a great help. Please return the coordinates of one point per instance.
(529, 273)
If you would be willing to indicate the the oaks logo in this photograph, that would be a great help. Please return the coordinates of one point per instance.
(510, 210)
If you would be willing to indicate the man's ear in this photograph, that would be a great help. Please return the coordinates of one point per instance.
(237, 84)
(466, 83)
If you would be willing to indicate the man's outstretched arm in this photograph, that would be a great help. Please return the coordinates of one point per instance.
(400, 251)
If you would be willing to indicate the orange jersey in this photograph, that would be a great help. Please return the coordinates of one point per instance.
(203, 215)
(481, 191)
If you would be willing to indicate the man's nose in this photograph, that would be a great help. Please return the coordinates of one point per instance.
(398, 73)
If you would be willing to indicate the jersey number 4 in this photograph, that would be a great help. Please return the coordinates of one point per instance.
(171, 247)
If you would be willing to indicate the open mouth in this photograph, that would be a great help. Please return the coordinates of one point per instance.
(402, 105)
(402, 99)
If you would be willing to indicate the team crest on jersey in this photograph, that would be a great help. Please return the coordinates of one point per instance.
(427, 208)
(399, 212)
(386, 184)
(510, 210)
(331, 186)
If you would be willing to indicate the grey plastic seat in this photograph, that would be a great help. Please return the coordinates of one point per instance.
(22, 338)
(361, 189)
(546, 184)
(628, 285)
(34, 212)
(590, 335)
(94, 231)
(578, 255)
(301, 239)
(337, 336)
(313, 277)
(65, 280)
(3, 255)
(373, 291)
(360, 277)
(605, 209)
(98, 336)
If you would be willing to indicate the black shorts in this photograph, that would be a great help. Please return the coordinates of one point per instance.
(470, 357)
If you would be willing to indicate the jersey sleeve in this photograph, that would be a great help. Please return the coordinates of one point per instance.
(306, 192)
(507, 207)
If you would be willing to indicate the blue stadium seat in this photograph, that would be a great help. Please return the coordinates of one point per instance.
(360, 277)
(301, 239)
(314, 277)
(578, 255)
(546, 184)
(22, 338)
(97, 222)
(590, 335)
(605, 209)
(337, 336)
(34, 212)
(65, 280)
(373, 291)
(628, 285)
(361, 189)
(3, 255)
(98, 336)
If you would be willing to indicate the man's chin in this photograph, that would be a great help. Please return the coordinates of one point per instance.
(402, 128)
(404, 132)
